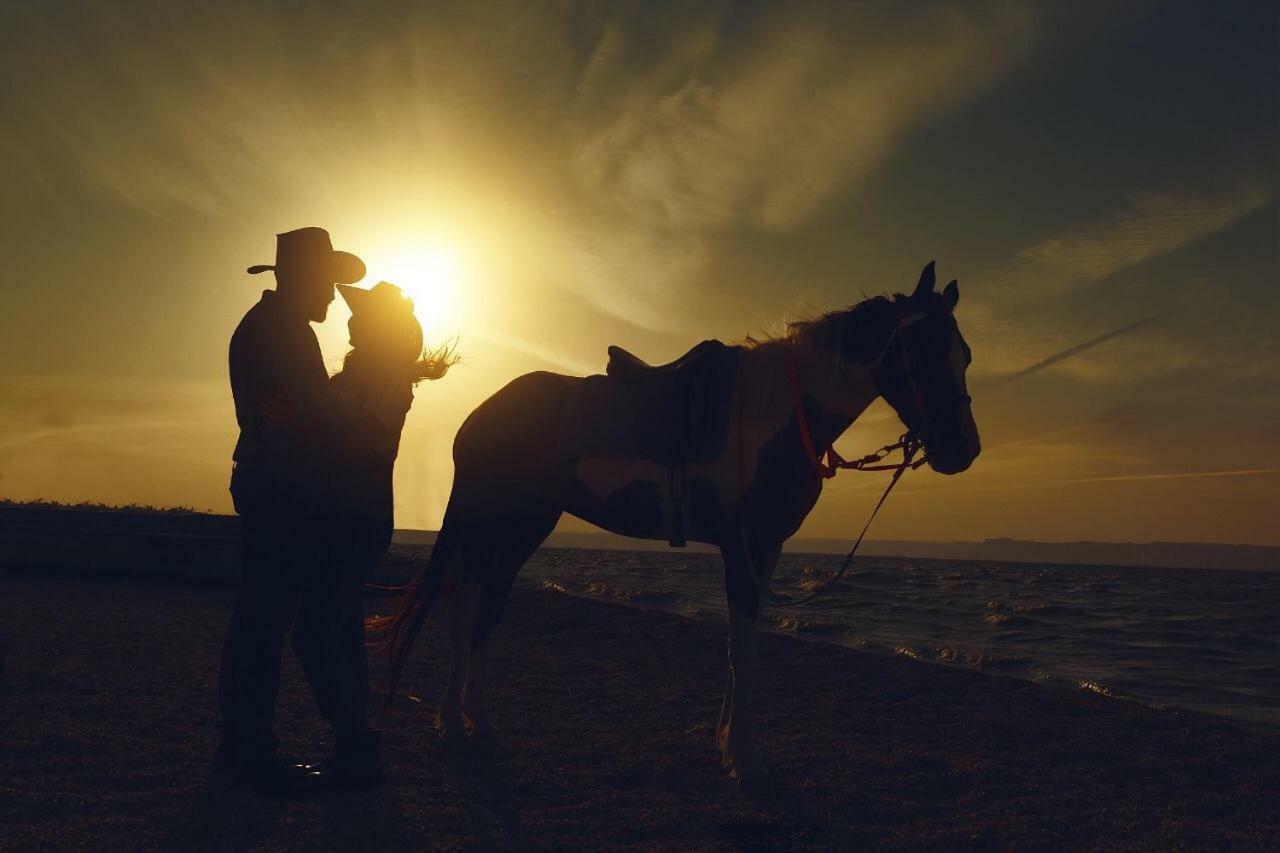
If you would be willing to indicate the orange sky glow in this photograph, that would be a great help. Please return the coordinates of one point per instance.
(548, 180)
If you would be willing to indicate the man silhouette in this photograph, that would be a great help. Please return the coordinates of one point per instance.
(288, 454)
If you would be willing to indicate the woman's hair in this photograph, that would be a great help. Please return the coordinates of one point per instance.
(435, 361)
(399, 338)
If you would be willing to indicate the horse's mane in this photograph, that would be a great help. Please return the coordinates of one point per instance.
(844, 333)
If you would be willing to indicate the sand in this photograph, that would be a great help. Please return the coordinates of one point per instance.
(606, 712)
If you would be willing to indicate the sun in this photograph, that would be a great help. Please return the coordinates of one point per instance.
(432, 276)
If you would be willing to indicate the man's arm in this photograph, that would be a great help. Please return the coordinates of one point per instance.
(307, 407)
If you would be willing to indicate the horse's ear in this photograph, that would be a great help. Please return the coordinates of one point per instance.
(927, 281)
(951, 293)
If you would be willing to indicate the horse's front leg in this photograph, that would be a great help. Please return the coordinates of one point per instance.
(747, 582)
(726, 709)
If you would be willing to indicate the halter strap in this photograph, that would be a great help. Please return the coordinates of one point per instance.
(908, 444)
(825, 470)
(834, 462)
(904, 320)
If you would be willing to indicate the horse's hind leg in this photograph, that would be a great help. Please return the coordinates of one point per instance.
(491, 559)
(461, 621)
(524, 537)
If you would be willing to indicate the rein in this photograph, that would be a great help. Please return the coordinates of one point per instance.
(909, 444)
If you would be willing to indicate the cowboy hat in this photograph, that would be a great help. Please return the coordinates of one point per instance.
(383, 298)
(385, 313)
(311, 250)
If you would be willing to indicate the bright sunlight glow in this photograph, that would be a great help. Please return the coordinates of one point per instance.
(431, 274)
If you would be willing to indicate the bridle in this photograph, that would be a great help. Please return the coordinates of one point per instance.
(910, 443)
(926, 415)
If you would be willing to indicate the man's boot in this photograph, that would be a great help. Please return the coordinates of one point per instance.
(356, 764)
(262, 770)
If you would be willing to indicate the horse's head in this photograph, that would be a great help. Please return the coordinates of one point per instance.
(920, 372)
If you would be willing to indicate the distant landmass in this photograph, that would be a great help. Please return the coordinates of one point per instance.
(96, 538)
(1170, 555)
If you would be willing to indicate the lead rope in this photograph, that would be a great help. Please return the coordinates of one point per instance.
(909, 451)
(908, 444)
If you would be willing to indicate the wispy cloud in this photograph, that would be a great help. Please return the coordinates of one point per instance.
(1016, 316)
(769, 135)
(763, 137)
(1147, 227)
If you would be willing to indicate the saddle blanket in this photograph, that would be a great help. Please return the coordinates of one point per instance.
(671, 418)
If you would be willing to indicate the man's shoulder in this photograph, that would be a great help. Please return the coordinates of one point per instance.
(269, 338)
(259, 331)
(266, 320)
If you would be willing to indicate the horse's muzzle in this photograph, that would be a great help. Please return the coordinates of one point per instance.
(955, 450)
(952, 464)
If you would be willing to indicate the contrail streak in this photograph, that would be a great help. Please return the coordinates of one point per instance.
(1242, 472)
(1037, 484)
(1076, 350)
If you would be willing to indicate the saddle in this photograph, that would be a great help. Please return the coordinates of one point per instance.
(627, 367)
(673, 414)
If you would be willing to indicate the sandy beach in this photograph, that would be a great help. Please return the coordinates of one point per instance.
(107, 730)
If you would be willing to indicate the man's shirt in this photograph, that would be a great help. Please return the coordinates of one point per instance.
(281, 392)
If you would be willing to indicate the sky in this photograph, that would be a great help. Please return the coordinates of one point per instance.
(550, 178)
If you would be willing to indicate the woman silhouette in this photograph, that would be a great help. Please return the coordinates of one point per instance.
(379, 373)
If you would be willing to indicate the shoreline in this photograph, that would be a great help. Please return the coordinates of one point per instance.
(773, 627)
(551, 570)
(607, 714)
(218, 548)
(38, 520)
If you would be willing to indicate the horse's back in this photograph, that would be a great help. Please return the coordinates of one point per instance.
(508, 443)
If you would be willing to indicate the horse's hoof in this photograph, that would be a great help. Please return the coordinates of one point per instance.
(751, 774)
(453, 742)
(483, 741)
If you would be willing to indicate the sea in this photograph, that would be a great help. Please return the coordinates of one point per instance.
(1200, 639)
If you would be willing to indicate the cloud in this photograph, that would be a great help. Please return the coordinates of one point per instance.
(115, 440)
(764, 136)
(771, 134)
(1147, 227)
(1030, 304)
(643, 140)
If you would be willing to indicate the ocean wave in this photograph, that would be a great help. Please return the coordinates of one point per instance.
(1178, 638)
(630, 594)
(996, 661)
(814, 627)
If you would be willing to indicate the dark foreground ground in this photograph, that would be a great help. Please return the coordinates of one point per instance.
(107, 727)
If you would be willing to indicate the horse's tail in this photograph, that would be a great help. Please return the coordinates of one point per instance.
(392, 636)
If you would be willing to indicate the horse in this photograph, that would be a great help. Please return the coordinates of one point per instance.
(792, 394)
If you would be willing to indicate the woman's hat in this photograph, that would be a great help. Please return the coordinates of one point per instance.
(383, 298)
(310, 250)
(383, 310)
